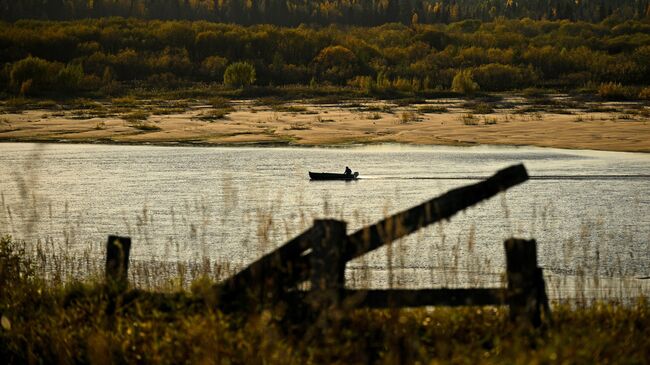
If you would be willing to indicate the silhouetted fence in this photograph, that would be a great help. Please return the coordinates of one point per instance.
(318, 256)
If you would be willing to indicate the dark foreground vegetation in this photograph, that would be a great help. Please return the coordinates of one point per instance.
(113, 56)
(42, 322)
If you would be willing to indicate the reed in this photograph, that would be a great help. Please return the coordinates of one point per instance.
(53, 309)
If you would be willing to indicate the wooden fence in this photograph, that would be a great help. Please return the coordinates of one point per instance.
(318, 256)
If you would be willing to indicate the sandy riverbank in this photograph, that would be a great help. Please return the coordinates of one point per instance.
(601, 126)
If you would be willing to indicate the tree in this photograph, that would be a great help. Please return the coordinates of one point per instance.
(239, 74)
(463, 83)
(336, 64)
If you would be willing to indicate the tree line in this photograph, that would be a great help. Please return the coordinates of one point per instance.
(351, 12)
(95, 54)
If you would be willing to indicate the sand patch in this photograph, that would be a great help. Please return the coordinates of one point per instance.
(511, 121)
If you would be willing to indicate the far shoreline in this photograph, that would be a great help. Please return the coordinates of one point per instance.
(306, 146)
(560, 122)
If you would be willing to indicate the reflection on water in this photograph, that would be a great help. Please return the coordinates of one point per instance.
(588, 210)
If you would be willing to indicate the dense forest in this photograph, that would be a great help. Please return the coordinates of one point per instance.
(101, 54)
(350, 12)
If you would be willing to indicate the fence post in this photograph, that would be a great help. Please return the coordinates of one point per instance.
(327, 275)
(117, 262)
(526, 294)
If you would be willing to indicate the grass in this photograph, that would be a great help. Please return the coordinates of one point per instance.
(48, 314)
(52, 322)
(219, 102)
(213, 115)
(289, 108)
(125, 101)
(48, 104)
(469, 119)
(135, 116)
(145, 126)
(489, 121)
(407, 117)
(385, 108)
(614, 91)
(18, 104)
(482, 108)
(374, 116)
(431, 109)
(409, 101)
(297, 126)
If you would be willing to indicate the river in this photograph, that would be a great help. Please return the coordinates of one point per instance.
(588, 210)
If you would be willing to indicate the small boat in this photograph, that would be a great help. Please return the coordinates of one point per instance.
(332, 176)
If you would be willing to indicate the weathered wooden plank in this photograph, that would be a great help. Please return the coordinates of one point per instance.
(423, 297)
(434, 210)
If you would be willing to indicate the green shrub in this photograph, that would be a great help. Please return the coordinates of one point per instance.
(239, 75)
(464, 83)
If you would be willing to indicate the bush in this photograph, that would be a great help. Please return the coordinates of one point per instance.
(70, 77)
(37, 70)
(464, 83)
(497, 77)
(612, 91)
(239, 74)
(645, 93)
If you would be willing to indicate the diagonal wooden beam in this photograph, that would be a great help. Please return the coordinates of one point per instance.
(443, 207)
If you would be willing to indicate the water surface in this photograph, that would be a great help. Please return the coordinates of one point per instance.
(588, 210)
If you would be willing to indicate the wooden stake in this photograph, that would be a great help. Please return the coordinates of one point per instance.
(117, 262)
(523, 293)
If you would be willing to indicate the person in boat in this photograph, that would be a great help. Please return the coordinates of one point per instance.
(348, 171)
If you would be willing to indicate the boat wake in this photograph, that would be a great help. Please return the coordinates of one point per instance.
(538, 177)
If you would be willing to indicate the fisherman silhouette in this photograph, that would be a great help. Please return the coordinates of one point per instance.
(348, 171)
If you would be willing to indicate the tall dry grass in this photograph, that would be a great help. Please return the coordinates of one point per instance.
(53, 307)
